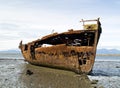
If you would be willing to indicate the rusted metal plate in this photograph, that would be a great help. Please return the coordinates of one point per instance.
(74, 50)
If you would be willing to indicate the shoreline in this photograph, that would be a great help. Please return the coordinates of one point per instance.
(107, 54)
(10, 59)
(105, 71)
(13, 73)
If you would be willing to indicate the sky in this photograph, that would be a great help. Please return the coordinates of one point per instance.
(29, 20)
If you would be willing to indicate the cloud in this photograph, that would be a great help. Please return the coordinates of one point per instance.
(28, 19)
(9, 44)
(8, 26)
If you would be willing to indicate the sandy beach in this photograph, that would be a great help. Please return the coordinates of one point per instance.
(13, 74)
(13, 70)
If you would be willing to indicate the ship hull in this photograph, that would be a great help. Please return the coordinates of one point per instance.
(72, 50)
(78, 59)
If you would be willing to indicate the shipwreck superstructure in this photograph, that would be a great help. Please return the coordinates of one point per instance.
(73, 50)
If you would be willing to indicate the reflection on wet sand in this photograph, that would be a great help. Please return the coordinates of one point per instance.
(43, 77)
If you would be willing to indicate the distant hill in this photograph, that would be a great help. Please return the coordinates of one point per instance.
(108, 51)
(11, 51)
(99, 51)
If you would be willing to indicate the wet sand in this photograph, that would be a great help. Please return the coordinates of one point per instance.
(13, 75)
(53, 78)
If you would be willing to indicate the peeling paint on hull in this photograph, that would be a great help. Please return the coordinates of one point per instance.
(72, 50)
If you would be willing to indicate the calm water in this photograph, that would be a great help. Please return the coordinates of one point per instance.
(106, 70)
(5, 55)
(108, 58)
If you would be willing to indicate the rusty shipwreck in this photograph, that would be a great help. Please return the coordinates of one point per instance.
(73, 50)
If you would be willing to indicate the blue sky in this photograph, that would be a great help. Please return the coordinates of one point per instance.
(31, 19)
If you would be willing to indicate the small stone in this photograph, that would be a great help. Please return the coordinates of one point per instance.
(28, 72)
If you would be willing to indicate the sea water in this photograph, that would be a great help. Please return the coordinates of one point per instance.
(106, 70)
(5, 55)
